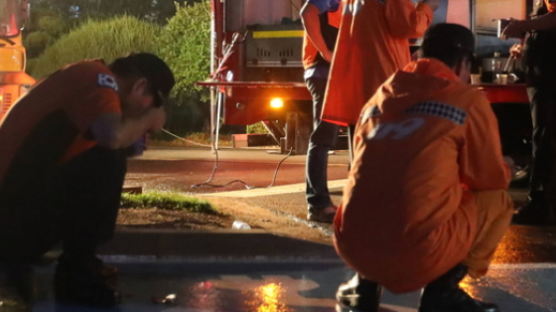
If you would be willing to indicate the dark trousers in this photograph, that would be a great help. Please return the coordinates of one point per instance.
(322, 139)
(543, 116)
(75, 203)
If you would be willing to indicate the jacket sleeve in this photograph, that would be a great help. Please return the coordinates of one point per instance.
(482, 166)
(404, 20)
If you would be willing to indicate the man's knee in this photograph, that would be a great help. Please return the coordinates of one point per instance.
(494, 201)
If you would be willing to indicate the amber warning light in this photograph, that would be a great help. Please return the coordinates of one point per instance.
(277, 103)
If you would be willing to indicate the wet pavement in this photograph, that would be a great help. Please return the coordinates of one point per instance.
(268, 286)
(259, 272)
(523, 277)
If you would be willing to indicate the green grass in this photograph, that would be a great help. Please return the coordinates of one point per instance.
(257, 128)
(167, 201)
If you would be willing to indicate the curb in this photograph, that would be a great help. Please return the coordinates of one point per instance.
(176, 245)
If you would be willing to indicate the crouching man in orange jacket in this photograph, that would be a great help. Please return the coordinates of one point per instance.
(426, 201)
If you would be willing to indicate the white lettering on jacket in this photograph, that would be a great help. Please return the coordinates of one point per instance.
(107, 81)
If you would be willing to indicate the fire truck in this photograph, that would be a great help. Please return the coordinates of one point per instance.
(14, 82)
(257, 69)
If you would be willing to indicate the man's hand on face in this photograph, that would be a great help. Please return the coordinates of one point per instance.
(434, 4)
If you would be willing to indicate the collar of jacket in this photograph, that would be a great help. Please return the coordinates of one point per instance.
(431, 67)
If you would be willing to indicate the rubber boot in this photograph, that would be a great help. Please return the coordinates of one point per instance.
(445, 295)
(359, 294)
(82, 281)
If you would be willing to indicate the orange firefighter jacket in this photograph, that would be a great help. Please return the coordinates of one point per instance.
(371, 46)
(310, 52)
(49, 124)
(424, 143)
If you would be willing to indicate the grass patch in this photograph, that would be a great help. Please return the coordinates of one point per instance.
(167, 201)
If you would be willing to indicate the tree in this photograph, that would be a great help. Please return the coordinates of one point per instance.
(152, 10)
(106, 39)
(185, 45)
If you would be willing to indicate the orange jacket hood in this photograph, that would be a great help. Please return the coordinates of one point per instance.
(398, 92)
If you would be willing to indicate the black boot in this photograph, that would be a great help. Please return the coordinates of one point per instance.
(84, 281)
(20, 278)
(445, 295)
(359, 294)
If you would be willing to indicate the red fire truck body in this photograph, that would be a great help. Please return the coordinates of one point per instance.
(256, 46)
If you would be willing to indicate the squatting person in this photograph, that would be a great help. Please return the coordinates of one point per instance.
(63, 161)
(426, 201)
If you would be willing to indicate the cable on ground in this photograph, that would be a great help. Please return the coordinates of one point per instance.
(278, 167)
(209, 183)
(184, 139)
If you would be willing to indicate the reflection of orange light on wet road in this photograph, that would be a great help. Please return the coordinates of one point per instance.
(511, 246)
(268, 298)
(203, 295)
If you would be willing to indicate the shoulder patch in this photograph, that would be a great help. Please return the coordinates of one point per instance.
(105, 80)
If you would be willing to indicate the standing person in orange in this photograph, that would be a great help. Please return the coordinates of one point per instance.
(372, 44)
(426, 201)
(321, 19)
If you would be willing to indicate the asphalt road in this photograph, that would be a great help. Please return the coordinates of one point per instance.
(522, 278)
(252, 271)
(179, 169)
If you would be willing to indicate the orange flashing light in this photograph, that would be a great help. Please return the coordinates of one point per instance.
(277, 103)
